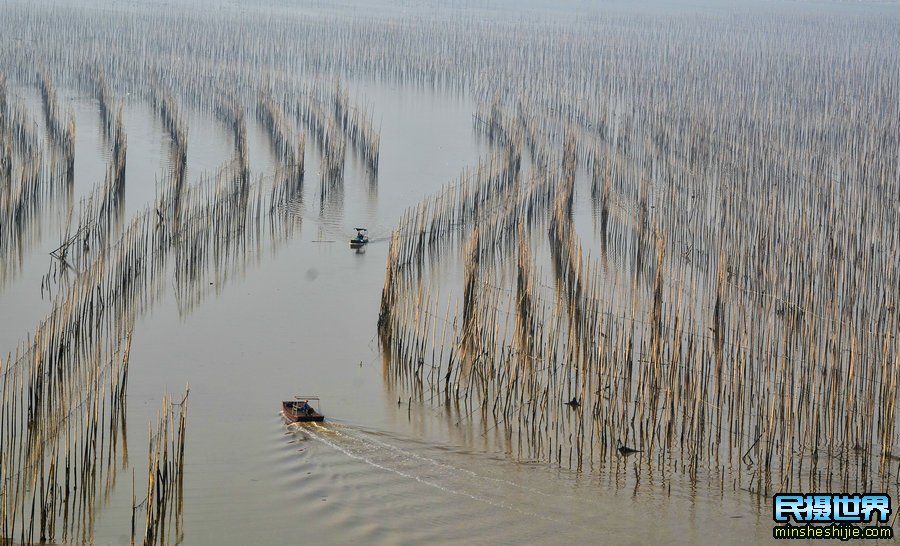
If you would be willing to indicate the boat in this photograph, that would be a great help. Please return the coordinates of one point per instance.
(294, 412)
(361, 239)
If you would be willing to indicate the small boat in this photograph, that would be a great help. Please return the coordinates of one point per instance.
(361, 239)
(300, 411)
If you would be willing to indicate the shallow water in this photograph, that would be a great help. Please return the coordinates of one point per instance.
(297, 317)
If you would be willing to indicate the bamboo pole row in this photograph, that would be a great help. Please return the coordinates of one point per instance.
(231, 113)
(165, 476)
(291, 155)
(357, 126)
(26, 184)
(60, 436)
(166, 105)
(312, 111)
(105, 103)
(60, 132)
(649, 371)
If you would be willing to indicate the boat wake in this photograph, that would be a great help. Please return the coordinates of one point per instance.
(442, 477)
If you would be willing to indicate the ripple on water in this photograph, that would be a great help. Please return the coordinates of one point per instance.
(403, 491)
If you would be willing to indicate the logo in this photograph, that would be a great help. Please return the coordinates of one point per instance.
(832, 508)
(832, 516)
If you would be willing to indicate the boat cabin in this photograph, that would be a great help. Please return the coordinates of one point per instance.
(362, 238)
(300, 410)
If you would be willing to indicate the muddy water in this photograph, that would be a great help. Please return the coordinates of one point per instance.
(298, 317)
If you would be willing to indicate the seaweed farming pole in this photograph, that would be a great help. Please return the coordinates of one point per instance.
(120, 149)
(164, 103)
(291, 168)
(271, 114)
(357, 126)
(388, 293)
(46, 417)
(230, 111)
(104, 101)
(61, 133)
(165, 473)
(312, 112)
(27, 181)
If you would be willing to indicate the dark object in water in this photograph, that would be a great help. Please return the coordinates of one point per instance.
(299, 411)
(361, 239)
(573, 403)
(625, 450)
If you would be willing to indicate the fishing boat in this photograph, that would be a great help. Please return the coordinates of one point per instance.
(361, 239)
(300, 410)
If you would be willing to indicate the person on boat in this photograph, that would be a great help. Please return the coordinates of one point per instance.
(306, 408)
